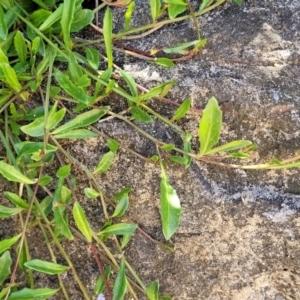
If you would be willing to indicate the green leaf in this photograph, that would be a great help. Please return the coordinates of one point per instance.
(160, 90)
(130, 82)
(182, 109)
(238, 2)
(45, 180)
(180, 47)
(165, 62)
(107, 32)
(75, 70)
(46, 267)
(92, 56)
(37, 127)
(120, 286)
(152, 290)
(178, 159)
(204, 4)
(4, 291)
(7, 243)
(81, 19)
(32, 294)
(66, 21)
(71, 89)
(140, 115)
(53, 17)
(82, 120)
(235, 145)
(122, 193)
(170, 208)
(239, 155)
(177, 2)
(168, 147)
(125, 240)
(12, 174)
(91, 193)
(63, 171)
(82, 222)
(284, 166)
(61, 221)
(20, 46)
(174, 10)
(3, 25)
(128, 14)
(121, 207)
(76, 134)
(16, 200)
(100, 284)
(6, 212)
(119, 229)
(5, 264)
(113, 145)
(105, 162)
(155, 9)
(12, 80)
(210, 126)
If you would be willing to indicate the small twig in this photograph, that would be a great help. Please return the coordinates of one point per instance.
(100, 267)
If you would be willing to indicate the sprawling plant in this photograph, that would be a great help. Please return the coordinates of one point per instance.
(43, 65)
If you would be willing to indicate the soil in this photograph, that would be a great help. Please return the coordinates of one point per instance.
(240, 230)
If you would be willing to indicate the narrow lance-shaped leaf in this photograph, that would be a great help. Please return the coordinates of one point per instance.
(130, 82)
(20, 46)
(70, 88)
(5, 264)
(16, 200)
(92, 56)
(82, 120)
(120, 285)
(12, 174)
(170, 208)
(107, 32)
(46, 267)
(165, 62)
(81, 222)
(180, 47)
(140, 115)
(182, 109)
(54, 17)
(66, 21)
(29, 294)
(210, 126)
(175, 9)
(76, 134)
(119, 229)
(100, 284)
(204, 4)
(152, 290)
(6, 212)
(81, 19)
(105, 162)
(7, 243)
(128, 15)
(155, 9)
(121, 207)
(91, 193)
(3, 25)
(235, 145)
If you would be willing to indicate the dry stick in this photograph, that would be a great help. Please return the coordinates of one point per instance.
(100, 267)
